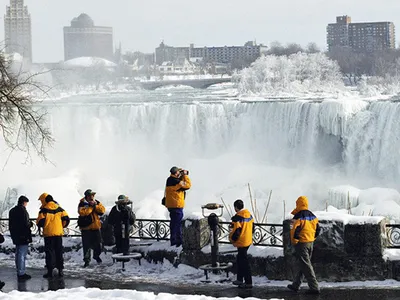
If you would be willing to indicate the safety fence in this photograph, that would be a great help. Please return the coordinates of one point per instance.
(152, 229)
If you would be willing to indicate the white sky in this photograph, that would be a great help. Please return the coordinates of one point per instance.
(141, 25)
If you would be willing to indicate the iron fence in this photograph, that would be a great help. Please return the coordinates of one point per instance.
(152, 229)
(263, 234)
(393, 236)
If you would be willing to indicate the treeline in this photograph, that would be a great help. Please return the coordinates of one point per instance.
(353, 65)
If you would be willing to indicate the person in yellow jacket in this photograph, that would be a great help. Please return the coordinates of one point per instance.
(175, 192)
(241, 236)
(53, 219)
(90, 210)
(303, 231)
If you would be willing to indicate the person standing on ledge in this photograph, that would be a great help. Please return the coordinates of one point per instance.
(90, 210)
(21, 235)
(53, 219)
(175, 193)
(241, 236)
(122, 218)
(303, 231)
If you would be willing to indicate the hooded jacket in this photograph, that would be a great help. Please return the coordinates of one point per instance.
(52, 217)
(84, 209)
(241, 234)
(304, 227)
(120, 214)
(175, 191)
(20, 225)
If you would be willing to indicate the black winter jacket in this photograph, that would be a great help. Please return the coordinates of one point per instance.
(121, 214)
(20, 225)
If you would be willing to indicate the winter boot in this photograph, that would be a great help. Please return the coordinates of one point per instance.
(237, 282)
(49, 274)
(292, 288)
(24, 277)
(60, 273)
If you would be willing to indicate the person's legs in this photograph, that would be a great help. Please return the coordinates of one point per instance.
(59, 251)
(97, 245)
(172, 226)
(307, 267)
(178, 224)
(21, 252)
(86, 246)
(50, 259)
(239, 262)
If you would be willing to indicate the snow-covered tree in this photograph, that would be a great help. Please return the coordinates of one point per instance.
(297, 73)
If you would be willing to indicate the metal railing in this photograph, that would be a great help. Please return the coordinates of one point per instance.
(263, 235)
(393, 236)
(152, 229)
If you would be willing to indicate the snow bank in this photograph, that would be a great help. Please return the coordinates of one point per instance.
(255, 251)
(94, 293)
(369, 202)
(336, 215)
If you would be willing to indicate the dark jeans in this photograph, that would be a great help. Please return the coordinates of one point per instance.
(91, 239)
(304, 266)
(122, 244)
(54, 252)
(175, 226)
(243, 266)
(20, 257)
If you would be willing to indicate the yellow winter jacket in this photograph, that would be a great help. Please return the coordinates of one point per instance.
(175, 191)
(94, 211)
(304, 227)
(241, 233)
(52, 218)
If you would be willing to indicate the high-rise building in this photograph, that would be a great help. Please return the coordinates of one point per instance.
(369, 37)
(83, 38)
(17, 27)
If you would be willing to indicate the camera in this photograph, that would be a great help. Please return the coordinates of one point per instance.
(182, 172)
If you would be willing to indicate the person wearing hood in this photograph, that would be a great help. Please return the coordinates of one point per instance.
(122, 219)
(53, 219)
(303, 231)
(90, 210)
(241, 236)
(21, 235)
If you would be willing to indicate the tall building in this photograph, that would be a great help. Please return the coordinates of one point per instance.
(226, 54)
(17, 27)
(83, 38)
(361, 36)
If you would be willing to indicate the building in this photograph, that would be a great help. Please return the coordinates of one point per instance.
(17, 27)
(369, 37)
(226, 54)
(84, 39)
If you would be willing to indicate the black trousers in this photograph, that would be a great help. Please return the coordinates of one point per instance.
(91, 239)
(54, 252)
(243, 266)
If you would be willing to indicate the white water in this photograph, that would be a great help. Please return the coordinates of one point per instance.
(123, 143)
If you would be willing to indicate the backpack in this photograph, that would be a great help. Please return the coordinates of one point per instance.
(85, 221)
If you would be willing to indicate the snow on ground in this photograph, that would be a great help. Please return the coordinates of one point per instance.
(93, 293)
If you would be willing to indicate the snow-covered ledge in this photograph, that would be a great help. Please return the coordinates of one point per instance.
(348, 248)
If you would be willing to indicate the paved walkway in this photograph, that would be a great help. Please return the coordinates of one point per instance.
(39, 284)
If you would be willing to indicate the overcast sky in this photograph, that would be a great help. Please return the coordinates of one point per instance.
(142, 24)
